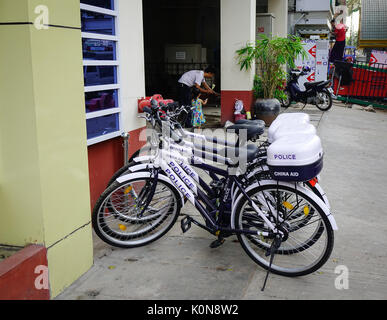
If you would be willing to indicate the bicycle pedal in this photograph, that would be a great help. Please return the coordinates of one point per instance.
(217, 243)
(185, 224)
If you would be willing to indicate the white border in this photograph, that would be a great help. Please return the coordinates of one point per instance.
(100, 63)
(105, 137)
(106, 112)
(102, 87)
(118, 59)
(116, 63)
(91, 8)
(98, 36)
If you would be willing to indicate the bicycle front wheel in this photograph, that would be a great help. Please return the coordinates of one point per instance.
(122, 217)
(307, 242)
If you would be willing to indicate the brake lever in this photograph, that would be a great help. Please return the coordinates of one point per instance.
(147, 118)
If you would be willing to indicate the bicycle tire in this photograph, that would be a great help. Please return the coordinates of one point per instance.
(260, 260)
(301, 223)
(139, 238)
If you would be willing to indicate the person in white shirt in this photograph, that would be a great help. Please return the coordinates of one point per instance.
(194, 79)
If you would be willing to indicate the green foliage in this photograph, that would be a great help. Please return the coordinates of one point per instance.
(259, 93)
(257, 88)
(353, 39)
(353, 6)
(270, 55)
(280, 95)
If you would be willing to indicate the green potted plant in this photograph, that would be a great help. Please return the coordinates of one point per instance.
(271, 57)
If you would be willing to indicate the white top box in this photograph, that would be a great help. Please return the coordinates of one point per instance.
(287, 119)
(289, 129)
(295, 150)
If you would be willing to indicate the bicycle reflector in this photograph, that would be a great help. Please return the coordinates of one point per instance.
(122, 227)
(128, 189)
(313, 182)
(288, 205)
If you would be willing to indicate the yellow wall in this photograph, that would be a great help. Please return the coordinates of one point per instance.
(44, 181)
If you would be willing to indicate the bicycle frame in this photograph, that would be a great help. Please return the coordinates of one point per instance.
(196, 155)
(187, 187)
(146, 204)
(235, 195)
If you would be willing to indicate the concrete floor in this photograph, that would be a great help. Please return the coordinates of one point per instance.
(182, 266)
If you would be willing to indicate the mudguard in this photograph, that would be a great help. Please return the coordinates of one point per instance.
(266, 168)
(323, 194)
(143, 159)
(144, 174)
(140, 167)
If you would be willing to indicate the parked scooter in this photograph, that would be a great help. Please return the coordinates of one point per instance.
(318, 93)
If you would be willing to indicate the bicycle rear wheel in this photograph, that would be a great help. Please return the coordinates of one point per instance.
(308, 242)
(121, 219)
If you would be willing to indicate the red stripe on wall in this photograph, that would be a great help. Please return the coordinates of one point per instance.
(228, 98)
(18, 277)
(105, 159)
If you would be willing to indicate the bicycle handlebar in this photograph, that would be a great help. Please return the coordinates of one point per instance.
(169, 113)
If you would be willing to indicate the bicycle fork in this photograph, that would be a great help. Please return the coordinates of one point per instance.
(148, 192)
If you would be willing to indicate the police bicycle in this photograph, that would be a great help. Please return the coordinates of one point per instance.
(262, 213)
(252, 129)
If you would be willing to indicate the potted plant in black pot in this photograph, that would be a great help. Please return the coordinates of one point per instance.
(271, 57)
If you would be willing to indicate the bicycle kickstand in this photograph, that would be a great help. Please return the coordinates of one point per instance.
(217, 243)
(271, 252)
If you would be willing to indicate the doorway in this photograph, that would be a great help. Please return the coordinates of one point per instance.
(179, 35)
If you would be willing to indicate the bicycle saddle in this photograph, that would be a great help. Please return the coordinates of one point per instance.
(252, 131)
(249, 151)
(259, 123)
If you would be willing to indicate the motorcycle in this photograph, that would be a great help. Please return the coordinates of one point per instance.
(318, 93)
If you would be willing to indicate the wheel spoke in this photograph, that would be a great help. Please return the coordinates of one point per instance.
(121, 220)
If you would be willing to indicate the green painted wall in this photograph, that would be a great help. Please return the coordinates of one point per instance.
(44, 184)
(20, 191)
(60, 12)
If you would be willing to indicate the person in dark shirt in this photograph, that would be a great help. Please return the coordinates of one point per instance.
(194, 79)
